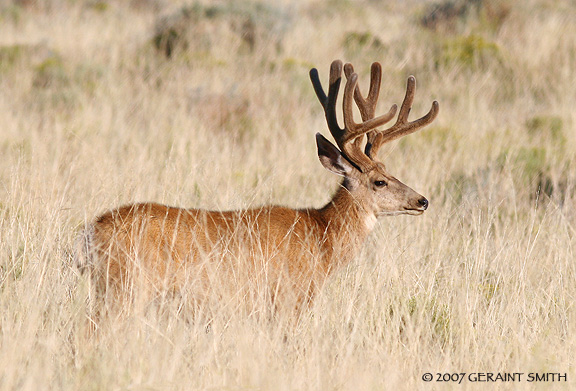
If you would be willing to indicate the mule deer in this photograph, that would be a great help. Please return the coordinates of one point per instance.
(289, 251)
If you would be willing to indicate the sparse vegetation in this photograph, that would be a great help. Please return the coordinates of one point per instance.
(469, 51)
(240, 26)
(101, 106)
(359, 43)
(449, 16)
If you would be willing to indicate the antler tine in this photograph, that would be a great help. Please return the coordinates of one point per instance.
(329, 102)
(349, 137)
(368, 106)
(370, 123)
(354, 132)
(342, 136)
(402, 127)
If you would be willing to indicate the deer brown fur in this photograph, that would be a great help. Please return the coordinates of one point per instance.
(289, 252)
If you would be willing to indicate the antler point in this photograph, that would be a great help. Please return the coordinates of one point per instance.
(336, 64)
(435, 108)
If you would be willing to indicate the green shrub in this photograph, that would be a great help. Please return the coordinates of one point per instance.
(9, 56)
(356, 42)
(51, 72)
(437, 315)
(547, 127)
(532, 170)
(19, 56)
(469, 51)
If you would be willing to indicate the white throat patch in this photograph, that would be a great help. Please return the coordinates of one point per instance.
(370, 221)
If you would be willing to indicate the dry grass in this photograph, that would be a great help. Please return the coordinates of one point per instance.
(94, 117)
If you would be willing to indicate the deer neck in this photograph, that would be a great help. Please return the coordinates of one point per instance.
(348, 222)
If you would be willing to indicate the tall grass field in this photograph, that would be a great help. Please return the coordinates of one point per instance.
(209, 105)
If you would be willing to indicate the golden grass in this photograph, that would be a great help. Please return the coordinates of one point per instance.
(94, 117)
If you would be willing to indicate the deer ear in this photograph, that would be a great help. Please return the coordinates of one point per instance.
(331, 157)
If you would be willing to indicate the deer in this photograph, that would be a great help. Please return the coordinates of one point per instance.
(288, 252)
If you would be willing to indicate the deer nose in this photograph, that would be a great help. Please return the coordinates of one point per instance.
(423, 202)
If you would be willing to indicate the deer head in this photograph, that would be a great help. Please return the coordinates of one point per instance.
(365, 177)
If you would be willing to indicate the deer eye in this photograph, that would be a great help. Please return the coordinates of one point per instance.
(380, 183)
